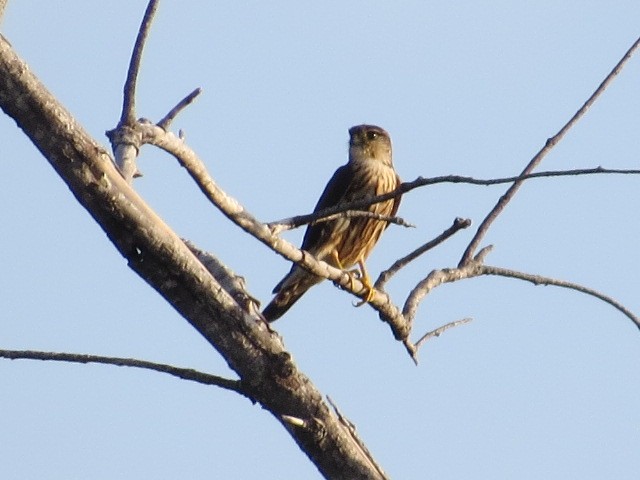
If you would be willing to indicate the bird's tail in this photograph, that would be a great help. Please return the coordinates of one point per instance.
(289, 291)
(280, 304)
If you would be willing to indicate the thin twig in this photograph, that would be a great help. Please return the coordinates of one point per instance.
(405, 187)
(182, 104)
(183, 373)
(384, 277)
(289, 223)
(535, 161)
(440, 330)
(540, 280)
(128, 116)
(420, 181)
(341, 417)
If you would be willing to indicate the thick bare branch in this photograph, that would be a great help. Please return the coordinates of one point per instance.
(232, 283)
(232, 209)
(399, 322)
(159, 256)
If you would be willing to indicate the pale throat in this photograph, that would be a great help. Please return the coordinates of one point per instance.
(380, 157)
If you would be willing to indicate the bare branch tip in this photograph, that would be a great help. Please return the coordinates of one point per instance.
(294, 421)
(128, 116)
(461, 223)
(482, 254)
(412, 350)
(175, 111)
(440, 330)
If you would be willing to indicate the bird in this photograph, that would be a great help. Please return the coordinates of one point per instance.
(345, 242)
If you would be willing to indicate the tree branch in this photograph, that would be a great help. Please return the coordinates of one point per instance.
(3, 5)
(420, 181)
(535, 161)
(440, 330)
(294, 222)
(384, 277)
(175, 111)
(183, 373)
(235, 212)
(439, 277)
(158, 255)
(541, 280)
(475, 268)
(124, 138)
(128, 116)
(405, 187)
(400, 322)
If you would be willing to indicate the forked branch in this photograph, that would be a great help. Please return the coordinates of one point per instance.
(128, 115)
(535, 161)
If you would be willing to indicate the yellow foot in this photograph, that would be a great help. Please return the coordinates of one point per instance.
(352, 273)
(359, 273)
(368, 287)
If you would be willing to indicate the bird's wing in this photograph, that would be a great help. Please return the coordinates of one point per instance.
(331, 196)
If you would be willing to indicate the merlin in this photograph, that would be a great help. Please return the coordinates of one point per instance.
(345, 242)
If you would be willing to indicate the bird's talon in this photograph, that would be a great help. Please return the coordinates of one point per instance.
(368, 298)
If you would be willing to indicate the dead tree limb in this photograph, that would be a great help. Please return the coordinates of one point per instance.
(162, 259)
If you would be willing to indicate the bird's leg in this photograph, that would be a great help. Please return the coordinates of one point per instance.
(351, 273)
(366, 281)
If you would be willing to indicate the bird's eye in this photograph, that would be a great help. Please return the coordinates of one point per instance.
(372, 135)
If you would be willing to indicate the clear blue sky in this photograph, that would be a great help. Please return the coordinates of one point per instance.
(545, 383)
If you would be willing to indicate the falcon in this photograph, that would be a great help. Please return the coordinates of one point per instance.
(345, 242)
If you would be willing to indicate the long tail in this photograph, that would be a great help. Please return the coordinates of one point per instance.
(280, 304)
(289, 291)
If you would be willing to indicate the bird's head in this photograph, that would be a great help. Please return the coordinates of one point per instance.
(368, 142)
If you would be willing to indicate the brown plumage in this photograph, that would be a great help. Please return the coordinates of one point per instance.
(345, 242)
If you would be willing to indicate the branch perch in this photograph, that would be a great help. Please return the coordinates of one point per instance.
(162, 259)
